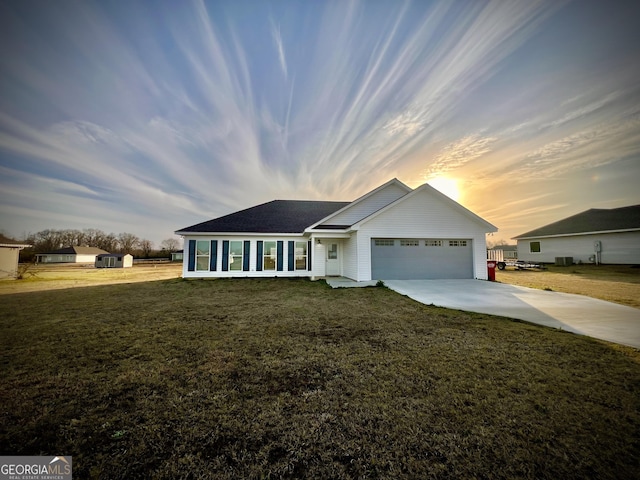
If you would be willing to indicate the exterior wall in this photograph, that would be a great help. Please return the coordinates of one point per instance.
(125, 262)
(9, 262)
(91, 258)
(369, 205)
(617, 248)
(66, 258)
(350, 257)
(59, 258)
(253, 255)
(422, 216)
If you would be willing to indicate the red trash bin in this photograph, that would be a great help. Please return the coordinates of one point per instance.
(491, 270)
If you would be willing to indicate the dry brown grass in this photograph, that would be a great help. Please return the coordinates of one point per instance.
(54, 277)
(614, 283)
(279, 378)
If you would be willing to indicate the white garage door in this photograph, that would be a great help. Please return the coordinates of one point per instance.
(414, 259)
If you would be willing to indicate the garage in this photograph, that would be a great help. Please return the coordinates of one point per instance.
(414, 259)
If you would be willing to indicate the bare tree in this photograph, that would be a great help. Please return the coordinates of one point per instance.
(170, 244)
(146, 247)
(128, 242)
(108, 242)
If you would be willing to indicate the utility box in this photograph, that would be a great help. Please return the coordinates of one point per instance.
(564, 261)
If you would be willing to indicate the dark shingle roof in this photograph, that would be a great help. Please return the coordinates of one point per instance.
(277, 216)
(77, 250)
(594, 220)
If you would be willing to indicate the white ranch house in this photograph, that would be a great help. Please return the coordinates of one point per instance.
(392, 232)
(73, 254)
(609, 236)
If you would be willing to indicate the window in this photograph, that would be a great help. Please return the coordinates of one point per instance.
(235, 255)
(433, 243)
(457, 243)
(202, 255)
(332, 253)
(409, 243)
(534, 247)
(301, 255)
(270, 256)
(383, 242)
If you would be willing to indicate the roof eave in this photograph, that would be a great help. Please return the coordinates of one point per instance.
(240, 234)
(463, 210)
(360, 199)
(555, 235)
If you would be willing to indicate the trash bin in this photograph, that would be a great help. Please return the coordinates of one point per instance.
(491, 270)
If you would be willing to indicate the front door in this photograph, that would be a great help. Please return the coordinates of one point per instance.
(333, 260)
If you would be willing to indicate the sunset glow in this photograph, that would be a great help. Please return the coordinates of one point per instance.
(448, 186)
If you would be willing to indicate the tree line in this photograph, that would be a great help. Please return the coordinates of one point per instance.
(50, 240)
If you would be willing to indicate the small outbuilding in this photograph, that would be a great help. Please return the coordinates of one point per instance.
(9, 256)
(114, 260)
(177, 256)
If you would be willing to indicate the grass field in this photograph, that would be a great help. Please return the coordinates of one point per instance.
(614, 283)
(282, 378)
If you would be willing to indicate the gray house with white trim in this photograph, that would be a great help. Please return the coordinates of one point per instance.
(610, 236)
(392, 232)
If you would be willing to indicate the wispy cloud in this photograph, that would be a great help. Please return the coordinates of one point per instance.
(277, 39)
(458, 154)
(212, 108)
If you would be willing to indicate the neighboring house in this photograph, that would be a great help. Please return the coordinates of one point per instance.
(9, 256)
(177, 256)
(70, 255)
(594, 236)
(114, 260)
(392, 232)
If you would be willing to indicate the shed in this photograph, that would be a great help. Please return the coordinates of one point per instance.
(114, 260)
(9, 256)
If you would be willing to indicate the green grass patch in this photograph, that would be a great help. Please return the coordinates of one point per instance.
(280, 378)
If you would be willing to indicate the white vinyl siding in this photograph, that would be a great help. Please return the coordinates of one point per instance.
(617, 248)
(368, 205)
(423, 215)
(253, 257)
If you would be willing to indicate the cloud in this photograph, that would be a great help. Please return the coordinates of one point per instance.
(459, 153)
(277, 39)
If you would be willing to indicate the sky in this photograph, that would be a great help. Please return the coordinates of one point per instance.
(150, 116)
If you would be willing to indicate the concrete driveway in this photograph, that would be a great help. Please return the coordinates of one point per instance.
(574, 313)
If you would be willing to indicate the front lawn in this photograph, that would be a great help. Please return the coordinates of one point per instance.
(282, 378)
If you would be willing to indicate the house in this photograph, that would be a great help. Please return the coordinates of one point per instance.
(72, 254)
(114, 260)
(9, 256)
(392, 232)
(177, 256)
(595, 236)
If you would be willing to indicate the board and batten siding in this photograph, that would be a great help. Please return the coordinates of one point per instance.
(422, 216)
(616, 248)
(253, 270)
(369, 205)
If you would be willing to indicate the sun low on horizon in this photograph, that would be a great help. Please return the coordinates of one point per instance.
(447, 185)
